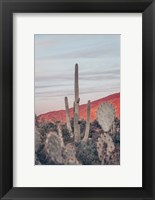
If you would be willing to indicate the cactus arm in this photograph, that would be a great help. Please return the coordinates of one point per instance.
(87, 123)
(68, 117)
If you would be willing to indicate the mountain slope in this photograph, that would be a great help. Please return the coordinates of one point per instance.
(60, 115)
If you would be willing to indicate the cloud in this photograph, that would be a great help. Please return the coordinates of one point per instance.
(93, 52)
(55, 57)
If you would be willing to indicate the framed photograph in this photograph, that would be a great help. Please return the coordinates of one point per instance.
(77, 99)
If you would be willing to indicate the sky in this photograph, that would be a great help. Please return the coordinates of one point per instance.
(98, 58)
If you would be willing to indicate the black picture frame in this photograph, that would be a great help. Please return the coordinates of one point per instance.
(7, 8)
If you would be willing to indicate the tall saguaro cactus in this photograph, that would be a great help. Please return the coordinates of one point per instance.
(68, 117)
(87, 123)
(76, 108)
(77, 136)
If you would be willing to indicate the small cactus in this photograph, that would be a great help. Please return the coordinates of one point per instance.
(53, 148)
(105, 146)
(105, 116)
(69, 155)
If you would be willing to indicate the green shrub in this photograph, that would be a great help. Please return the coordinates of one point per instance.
(86, 153)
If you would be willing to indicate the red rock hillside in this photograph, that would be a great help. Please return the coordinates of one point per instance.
(60, 115)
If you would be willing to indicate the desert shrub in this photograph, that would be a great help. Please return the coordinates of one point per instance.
(117, 138)
(66, 135)
(44, 159)
(37, 162)
(95, 130)
(94, 135)
(95, 125)
(41, 157)
(72, 123)
(48, 126)
(115, 134)
(86, 153)
(36, 121)
(69, 155)
(117, 122)
(37, 140)
(82, 124)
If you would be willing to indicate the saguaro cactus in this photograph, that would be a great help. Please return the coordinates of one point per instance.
(87, 123)
(68, 117)
(77, 136)
(105, 116)
(77, 100)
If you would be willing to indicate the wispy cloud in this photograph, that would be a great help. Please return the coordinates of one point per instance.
(98, 57)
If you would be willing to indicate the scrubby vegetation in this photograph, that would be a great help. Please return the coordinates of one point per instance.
(50, 151)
